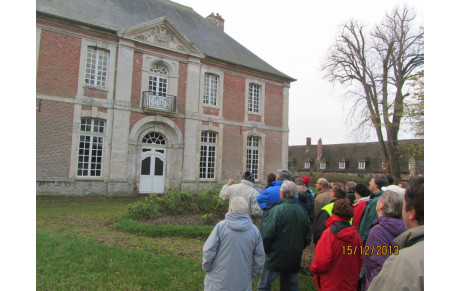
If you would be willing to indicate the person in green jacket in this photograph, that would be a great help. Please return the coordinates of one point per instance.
(286, 232)
(375, 186)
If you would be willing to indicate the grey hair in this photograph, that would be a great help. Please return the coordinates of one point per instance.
(393, 203)
(284, 174)
(350, 186)
(239, 204)
(289, 189)
(323, 182)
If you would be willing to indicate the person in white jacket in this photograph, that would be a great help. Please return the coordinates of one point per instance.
(233, 253)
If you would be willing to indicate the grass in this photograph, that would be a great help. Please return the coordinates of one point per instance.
(68, 263)
(191, 231)
(82, 245)
(53, 206)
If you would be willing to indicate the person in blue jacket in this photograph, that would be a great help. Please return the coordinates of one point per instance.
(271, 195)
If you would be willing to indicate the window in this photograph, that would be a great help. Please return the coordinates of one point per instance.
(208, 155)
(97, 61)
(361, 165)
(254, 98)
(341, 165)
(90, 147)
(307, 165)
(158, 82)
(210, 89)
(322, 166)
(252, 155)
(154, 138)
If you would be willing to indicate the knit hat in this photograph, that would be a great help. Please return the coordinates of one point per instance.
(362, 190)
(306, 179)
(248, 175)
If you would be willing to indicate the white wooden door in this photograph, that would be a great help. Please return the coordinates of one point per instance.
(152, 178)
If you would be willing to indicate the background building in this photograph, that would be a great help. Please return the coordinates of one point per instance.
(141, 96)
(352, 159)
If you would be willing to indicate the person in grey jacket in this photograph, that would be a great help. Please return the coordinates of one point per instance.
(233, 253)
(244, 189)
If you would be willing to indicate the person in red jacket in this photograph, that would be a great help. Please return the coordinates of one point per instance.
(338, 254)
(362, 198)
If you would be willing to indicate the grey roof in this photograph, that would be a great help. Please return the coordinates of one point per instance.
(351, 153)
(119, 15)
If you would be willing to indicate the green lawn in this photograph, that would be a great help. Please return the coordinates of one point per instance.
(80, 247)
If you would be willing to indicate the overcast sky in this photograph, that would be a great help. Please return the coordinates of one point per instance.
(293, 36)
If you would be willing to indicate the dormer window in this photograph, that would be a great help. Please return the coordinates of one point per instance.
(322, 166)
(342, 165)
(361, 165)
(307, 165)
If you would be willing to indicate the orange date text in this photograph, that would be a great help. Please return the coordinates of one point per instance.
(370, 250)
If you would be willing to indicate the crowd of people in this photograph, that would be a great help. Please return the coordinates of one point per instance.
(365, 237)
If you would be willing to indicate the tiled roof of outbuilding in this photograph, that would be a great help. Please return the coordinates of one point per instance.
(117, 15)
(351, 153)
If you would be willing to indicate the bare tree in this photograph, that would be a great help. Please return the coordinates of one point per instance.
(377, 65)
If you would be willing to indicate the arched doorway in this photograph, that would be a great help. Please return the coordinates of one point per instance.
(153, 163)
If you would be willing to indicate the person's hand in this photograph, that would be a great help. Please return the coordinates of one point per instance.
(230, 182)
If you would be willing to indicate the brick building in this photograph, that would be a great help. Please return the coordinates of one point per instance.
(352, 159)
(141, 96)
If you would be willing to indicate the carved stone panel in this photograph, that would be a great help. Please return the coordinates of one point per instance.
(161, 36)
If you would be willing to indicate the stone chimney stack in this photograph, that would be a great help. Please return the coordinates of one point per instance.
(320, 149)
(308, 142)
(217, 20)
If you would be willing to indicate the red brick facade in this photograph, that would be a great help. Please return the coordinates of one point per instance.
(211, 111)
(273, 151)
(58, 64)
(95, 93)
(232, 152)
(273, 105)
(53, 138)
(234, 98)
(63, 99)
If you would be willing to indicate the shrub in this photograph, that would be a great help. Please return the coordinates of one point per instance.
(174, 203)
(146, 208)
(206, 217)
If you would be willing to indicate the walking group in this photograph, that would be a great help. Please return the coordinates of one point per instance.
(365, 238)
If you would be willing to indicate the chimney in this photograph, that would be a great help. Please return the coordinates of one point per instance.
(308, 142)
(320, 149)
(217, 20)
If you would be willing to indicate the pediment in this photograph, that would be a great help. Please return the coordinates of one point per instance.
(161, 32)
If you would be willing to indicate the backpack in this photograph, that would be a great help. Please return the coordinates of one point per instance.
(308, 203)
